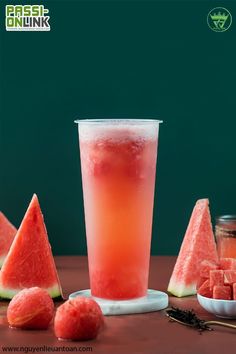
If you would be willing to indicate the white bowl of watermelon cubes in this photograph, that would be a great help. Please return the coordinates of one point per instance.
(216, 290)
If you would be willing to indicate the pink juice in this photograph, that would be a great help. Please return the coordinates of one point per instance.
(118, 172)
(226, 236)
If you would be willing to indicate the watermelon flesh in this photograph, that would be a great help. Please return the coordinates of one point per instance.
(228, 263)
(206, 267)
(200, 281)
(234, 291)
(216, 278)
(222, 292)
(7, 234)
(205, 289)
(198, 245)
(30, 262)
(229, 276)
(221, 283)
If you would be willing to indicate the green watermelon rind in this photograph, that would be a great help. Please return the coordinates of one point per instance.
(181, 289)
(2, 259)
(7, 293)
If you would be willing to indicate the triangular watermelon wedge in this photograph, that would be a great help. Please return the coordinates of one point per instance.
(30, 261)
(7, 234)
(198, 245)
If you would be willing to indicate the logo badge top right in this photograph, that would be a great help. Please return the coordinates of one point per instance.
(219, 19)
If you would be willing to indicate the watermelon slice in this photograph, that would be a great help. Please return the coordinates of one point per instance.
(7, 234)
(30, 261)
(198, 245)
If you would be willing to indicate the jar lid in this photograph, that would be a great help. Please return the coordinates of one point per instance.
(226, 219)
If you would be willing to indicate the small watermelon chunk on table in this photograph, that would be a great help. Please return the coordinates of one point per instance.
(29, 261)
(198, 245)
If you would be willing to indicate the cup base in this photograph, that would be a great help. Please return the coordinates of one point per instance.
(154, 301)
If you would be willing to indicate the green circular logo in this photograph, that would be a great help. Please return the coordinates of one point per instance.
(219, 19)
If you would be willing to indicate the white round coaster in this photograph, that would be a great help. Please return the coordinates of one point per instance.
(154, 301)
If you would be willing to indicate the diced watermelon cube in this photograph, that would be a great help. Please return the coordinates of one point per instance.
(205, 289)
(205, 268)
(216, 277)
(234, 291)
(222, 292)
(200, 281)
(228, 263)
(229, 276)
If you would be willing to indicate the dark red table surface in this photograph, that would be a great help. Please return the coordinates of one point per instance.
(141, 333)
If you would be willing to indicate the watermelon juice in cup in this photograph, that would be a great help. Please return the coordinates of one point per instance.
(118, 162)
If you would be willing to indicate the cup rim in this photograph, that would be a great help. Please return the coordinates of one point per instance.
(118, 121)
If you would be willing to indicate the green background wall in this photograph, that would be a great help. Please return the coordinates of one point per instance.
(118, 59)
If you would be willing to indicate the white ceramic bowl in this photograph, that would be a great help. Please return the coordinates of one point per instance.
(220, 308)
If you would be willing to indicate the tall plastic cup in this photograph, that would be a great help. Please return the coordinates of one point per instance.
(118, 162)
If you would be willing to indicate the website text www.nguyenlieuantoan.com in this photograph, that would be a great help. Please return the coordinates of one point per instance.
(46, 349)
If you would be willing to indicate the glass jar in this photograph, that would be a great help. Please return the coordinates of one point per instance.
(225, 232)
